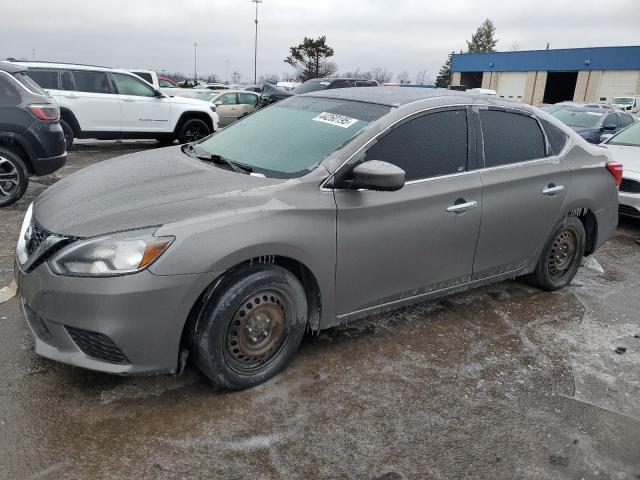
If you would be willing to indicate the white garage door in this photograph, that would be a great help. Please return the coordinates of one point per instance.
(617, 82)
(511, 85)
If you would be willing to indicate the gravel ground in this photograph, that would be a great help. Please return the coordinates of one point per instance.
(500, 382)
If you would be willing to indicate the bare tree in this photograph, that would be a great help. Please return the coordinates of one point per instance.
(269, 78)
(358, 74)
(515, 46)
(381, 75)
(403, 77)
(421, 77)
(235, 77)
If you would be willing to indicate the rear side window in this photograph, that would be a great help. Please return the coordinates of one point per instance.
(611, 119)
(557, 138)
(427, 146)
(248, 99)
(45, 78)
(625, 119)
(510, 138)
(228, 99)
(9, 93)
(91, 82)
(66, 81)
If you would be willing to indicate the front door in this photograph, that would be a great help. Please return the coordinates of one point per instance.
(227, 108)
(420, 239)
(524, 189)
(142, 110)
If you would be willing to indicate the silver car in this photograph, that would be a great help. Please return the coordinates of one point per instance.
(318, 210)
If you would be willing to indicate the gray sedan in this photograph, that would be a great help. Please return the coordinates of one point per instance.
(318, 210)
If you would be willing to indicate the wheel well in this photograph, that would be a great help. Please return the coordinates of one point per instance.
(590, 223)
(16, 148)
(302, 273)
(188, 116)
(70, 118)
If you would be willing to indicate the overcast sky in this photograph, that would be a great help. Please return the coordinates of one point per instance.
(400, 35)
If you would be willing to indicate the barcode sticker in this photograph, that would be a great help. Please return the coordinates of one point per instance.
(335, 119)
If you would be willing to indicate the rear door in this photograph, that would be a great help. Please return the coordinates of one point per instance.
(524, 188)
(227, 108)
(92, 102)
(421, 238)
(142, 110)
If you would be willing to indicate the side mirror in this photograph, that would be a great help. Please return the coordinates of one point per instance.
(158, 93)
(217, 103)
(378, 175)
(609, 127)
(606, 136)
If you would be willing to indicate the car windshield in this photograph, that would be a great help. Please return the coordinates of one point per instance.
(290, 138)
(629, 136)
(311, 86)
(578, 118)
(622, 101)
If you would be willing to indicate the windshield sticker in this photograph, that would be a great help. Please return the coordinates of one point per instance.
(335, 119)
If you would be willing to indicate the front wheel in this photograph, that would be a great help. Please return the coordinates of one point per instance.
(249, 332)
(560, 259)
(13, 177)
(192, 130)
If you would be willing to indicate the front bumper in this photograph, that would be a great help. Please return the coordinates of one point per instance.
(124, 325)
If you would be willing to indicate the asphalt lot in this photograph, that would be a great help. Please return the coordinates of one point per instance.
(502, 382)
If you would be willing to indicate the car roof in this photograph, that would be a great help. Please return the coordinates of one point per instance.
(10, 67)
(398, 96)
(74, 66)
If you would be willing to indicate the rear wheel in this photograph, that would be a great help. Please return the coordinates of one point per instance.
(192, 130)
(13, 177)
(68, 134)
(250, 332)
(560, 259)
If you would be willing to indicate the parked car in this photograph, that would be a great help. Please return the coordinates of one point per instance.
(31, 138)
(288, 86)
(625, 149)
(630, 103)
(165, 82)
(165, 85)
(317, 84)
(105, 103)
(562, 105)
(254, 88)
(215, 86)
(591, 123)
(318, 210)
(232, 105)
(272, 94)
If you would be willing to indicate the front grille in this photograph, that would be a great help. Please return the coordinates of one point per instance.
(97, 345)
(630, 211)
(629, 185)
(38, 235)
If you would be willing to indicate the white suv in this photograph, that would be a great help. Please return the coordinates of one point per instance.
(105, 103)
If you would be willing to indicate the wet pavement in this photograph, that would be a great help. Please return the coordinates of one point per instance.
(502, 382)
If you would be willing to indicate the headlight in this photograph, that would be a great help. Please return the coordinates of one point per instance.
(117, 254)
(21, 249)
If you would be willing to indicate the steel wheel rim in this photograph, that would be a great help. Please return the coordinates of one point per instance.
(562, 254)
(195, 132)
(9, 179)
(257, 331)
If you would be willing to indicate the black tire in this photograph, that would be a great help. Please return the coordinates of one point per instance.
(249, 332)
(561, 257)
(14, 178)
(193, 129)
(69, 134)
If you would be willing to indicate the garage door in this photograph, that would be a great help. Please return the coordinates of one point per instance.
(511, 85)
(617, 82)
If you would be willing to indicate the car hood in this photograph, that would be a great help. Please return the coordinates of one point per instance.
(145, 189)
(189, 101)
(628, 156)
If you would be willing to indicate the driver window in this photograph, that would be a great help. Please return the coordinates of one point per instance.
(129, 85)
(228, 99)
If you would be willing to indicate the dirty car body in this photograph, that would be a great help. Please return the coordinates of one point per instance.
(465, 213)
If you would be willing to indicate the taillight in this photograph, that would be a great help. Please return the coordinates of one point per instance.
(616, 170)
(50, 113)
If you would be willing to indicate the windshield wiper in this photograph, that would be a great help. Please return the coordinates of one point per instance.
(217, 159)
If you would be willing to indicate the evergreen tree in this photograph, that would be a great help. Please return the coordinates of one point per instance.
(443, 80)
(482, 41)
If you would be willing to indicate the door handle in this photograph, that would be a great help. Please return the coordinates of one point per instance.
(552, 189)
(129, 99)
(462, 207)
(71, 95)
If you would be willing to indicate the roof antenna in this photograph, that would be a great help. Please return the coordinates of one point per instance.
(547, 45)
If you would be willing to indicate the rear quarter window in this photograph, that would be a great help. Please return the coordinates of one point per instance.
(557, 138)
(45, 78)
(9, 93)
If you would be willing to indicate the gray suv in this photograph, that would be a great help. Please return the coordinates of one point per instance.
(318, 210)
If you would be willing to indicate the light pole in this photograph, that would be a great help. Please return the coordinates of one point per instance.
(255, 53)
(195, 62)
(226, 67)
